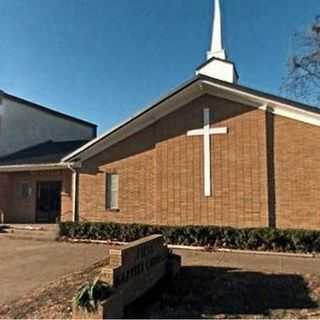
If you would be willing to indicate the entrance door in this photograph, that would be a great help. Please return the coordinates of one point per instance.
(48, 207)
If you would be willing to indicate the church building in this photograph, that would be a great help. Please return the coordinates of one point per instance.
(211, 152)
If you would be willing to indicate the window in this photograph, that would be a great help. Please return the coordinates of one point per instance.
(112, 191)
(24, 190)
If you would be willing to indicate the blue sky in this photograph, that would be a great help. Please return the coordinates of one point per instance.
(103, 60)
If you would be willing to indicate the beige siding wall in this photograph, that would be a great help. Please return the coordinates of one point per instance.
(37, 127)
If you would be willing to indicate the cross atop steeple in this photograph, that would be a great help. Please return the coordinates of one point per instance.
(217, 50)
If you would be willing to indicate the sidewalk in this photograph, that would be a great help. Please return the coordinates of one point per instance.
(252, 262)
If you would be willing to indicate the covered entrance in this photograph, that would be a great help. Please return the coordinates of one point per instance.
(36, 186)
(48, 203)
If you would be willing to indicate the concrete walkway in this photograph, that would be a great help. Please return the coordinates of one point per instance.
(26, 264)
(260, 263)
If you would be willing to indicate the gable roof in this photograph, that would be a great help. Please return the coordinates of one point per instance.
(46, 109)
(262, 94)
(49, 152)
(188, 91)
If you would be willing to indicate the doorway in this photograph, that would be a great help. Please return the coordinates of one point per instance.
(48, 204)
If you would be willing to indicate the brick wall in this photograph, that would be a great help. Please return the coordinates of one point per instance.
(161, 171)
(297, 174)
(23, 210)
(66, 196)
(134, 161)
(5, 191)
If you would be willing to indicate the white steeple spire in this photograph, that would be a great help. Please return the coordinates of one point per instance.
(217, 50)
(217, 66)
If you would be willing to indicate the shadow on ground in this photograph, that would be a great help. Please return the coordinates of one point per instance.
(3, 228)
(201, 292)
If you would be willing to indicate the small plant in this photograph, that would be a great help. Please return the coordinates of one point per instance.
(90, 294)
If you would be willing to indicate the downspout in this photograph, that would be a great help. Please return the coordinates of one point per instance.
(75, 168)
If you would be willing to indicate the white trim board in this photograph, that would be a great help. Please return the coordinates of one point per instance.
(264, 104)
(34, 167)
(180, 97)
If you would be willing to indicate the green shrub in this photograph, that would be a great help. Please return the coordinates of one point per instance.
(90, 294)
(266, 239)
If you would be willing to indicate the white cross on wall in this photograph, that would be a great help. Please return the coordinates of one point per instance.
(206, 132)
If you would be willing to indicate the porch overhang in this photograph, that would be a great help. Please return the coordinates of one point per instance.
(34, 167)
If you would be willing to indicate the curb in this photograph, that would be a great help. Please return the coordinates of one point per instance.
(204, 249)
(31, 238)
(104, 242)
(270, 253)
(251, 252)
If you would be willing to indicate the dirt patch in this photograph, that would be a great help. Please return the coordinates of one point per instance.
(198, 292)
(52, 302)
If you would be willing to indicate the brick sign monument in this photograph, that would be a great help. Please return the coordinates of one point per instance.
(133, 270)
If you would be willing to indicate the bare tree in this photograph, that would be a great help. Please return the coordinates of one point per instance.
(303, 80)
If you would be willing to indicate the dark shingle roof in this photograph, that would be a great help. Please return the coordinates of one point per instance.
(44, 153)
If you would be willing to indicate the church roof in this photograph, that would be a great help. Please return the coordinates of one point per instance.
(270, 96)
(46, 109)
(196, 87)
(45, 153)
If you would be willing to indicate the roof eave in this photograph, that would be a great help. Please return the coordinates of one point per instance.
(34, 167)
(72, 155)
(229, 91)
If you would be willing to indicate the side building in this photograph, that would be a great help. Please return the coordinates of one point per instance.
(34, 185)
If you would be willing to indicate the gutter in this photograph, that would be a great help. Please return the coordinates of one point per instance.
(75, 168)
(34, 167)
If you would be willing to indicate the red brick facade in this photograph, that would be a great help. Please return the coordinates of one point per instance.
(5, 192)
(23, 210)
(161, 171)
(297, 174)
(265, 172)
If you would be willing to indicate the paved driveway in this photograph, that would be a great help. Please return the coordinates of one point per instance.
(252, 262)
(26, 265)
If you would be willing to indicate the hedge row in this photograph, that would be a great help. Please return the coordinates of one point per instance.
(212, 237)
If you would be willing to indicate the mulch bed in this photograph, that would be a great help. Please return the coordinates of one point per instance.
(198, 292)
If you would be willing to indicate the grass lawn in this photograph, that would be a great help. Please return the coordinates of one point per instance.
(198, 292)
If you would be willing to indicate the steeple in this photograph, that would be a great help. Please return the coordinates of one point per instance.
(217, 65)
(217, 50)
